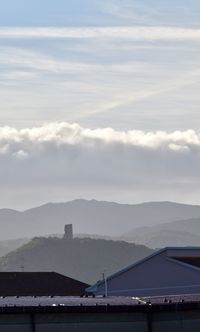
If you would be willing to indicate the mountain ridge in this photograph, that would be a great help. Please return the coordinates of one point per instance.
(91, 217)
(179, 232)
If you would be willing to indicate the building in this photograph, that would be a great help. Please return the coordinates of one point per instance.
(111, 314)
(166, 272)
(39, 284)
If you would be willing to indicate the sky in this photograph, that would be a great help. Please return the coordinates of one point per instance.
(99, 99)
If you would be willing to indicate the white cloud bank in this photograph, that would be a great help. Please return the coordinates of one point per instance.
(60, 161)
(59, 135)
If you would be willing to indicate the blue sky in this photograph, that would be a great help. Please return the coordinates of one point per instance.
(53, 13)
(98, 12)
(127, 65)
(106, 75)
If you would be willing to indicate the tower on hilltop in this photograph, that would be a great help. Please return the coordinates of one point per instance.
(68, 235)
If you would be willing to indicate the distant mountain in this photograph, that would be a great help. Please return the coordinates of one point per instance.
(91, 217)
(177, 233)
(83, 259)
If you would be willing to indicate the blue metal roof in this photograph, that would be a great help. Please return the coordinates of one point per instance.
(94, 287)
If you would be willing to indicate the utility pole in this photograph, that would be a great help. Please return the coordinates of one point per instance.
(105, 284)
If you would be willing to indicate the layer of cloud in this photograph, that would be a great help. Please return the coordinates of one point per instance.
(22, 58)
(60, 160)
(65, 134)
(130, 32)
(99, 75)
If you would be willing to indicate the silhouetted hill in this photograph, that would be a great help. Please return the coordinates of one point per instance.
(83, 259)
(177, 233)
(91, 217)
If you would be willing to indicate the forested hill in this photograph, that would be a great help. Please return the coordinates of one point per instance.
(84, 259)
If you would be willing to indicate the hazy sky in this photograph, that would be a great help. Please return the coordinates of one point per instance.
(131, 66)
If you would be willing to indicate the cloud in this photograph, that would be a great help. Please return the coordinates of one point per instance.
(58, 158)
(22, 58)
(36, 80)
(65, 134)
(146, 33)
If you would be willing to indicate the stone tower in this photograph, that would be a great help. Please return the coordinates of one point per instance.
(68, 235)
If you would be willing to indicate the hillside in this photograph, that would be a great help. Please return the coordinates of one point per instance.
(91, 217)
(83, 259)
(177, 233)
(10, 245)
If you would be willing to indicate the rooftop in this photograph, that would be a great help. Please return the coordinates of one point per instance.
(39, 284)
(71, 303)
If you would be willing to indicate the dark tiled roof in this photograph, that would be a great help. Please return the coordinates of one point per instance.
(39, 284)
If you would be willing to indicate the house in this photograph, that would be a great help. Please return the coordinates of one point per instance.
(39, 284)
(169, 271)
